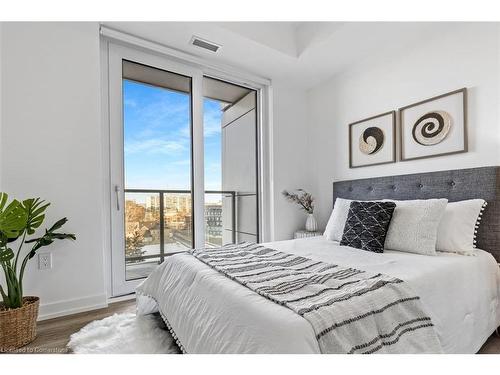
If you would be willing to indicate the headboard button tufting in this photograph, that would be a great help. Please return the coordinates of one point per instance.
(451, 184)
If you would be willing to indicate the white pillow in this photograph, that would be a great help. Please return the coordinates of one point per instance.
(414, 225)
(458, 227)
(335, 226)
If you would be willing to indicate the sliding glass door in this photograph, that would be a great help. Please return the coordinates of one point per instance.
(157, 166)
(183, 158)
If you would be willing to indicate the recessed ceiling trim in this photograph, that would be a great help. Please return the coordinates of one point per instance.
(205, 44)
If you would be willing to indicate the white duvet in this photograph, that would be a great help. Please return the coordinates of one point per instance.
(212, 314)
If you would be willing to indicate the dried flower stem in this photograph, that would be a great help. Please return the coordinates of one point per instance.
(304, 199)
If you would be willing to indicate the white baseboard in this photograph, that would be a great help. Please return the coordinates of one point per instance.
(126, 297)
(71, 306)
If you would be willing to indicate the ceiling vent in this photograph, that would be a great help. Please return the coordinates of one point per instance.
(205, 44)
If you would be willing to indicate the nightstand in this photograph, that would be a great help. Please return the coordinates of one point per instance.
(305, 234)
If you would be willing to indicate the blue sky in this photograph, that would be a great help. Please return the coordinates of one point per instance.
(157, 139)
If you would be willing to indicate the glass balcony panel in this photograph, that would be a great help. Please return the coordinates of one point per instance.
(178, 231)
(142, 222)
(141, 269)
(219, 218)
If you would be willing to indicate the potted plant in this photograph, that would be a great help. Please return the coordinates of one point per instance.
(306, 202)
(18, 221)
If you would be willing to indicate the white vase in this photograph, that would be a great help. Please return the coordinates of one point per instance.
(311, 224)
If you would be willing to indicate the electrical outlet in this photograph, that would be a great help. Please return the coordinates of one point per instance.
(44, 261)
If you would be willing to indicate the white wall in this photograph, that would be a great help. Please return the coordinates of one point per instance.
(290, 157)
(51, 148)
(467, 57)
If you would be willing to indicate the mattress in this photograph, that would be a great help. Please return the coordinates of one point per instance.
(210, 313)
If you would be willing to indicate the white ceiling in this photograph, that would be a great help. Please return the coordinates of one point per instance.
(299, 53)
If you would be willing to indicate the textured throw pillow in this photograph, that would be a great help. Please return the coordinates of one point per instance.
(458, 227)
(366, 225)
(414, 226)
(335, 226)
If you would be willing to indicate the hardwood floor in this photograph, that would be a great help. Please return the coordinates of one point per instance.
(492, 346)
(53, 334)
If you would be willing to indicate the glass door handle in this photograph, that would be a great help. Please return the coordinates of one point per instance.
(117, 192)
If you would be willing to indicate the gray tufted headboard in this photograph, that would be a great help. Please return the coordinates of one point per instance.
(455, 185)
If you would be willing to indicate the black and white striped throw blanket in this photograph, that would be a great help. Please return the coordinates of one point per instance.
(351, 311)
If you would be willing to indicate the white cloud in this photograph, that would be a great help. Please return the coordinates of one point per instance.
(211, 124)
(181, 162)
(154, 146)
(161, 111)
(130, 103)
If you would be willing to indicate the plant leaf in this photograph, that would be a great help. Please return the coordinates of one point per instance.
(13, 218)
(49, 237)
(3, 200)
(58, 224)
(35, 208)
(6, 254)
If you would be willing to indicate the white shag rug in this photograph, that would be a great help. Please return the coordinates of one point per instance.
(124, 334)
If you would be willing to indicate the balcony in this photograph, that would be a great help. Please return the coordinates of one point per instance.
(158, 223)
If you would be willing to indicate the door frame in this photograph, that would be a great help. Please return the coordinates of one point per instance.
(262, 86)
(116, 54)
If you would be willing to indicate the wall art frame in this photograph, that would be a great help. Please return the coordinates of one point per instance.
(372, 141)
(434, 127)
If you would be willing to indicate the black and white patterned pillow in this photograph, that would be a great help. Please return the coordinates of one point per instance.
(367, 224)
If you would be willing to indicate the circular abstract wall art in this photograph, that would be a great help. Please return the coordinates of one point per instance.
(371, 140)
(432, 128)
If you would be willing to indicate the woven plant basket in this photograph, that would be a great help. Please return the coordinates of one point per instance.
(18, 326)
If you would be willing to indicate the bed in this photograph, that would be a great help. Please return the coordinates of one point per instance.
(209, 313)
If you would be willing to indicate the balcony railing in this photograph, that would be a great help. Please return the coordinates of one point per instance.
(162, 194)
